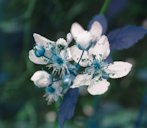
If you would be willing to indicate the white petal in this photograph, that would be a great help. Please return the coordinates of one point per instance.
(37, 60)
(98, 88)
(81, 80)
(101, 48)
(84, 40)
(119, 69)
(40, 40)
(76, 29)
(41, 79)
(96, 30)
(76, 54)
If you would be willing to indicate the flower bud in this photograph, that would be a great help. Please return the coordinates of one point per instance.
(67, 80)
(41, 79)
(39, 51)
(84, 40)
(61, 43)
(69, 38)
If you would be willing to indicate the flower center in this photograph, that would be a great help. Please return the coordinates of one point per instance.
(99, 69)
(58, 60)
(50, 89)
(96, 65)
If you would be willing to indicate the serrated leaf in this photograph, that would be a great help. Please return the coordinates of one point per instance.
(126, 37)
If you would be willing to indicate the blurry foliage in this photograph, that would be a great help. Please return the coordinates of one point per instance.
(21, 104)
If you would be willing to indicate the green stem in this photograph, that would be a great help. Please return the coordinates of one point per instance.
(27, 29)
(30, 9)
(27, 26)
(104, 7)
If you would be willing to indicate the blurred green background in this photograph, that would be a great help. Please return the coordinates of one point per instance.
(22, 104)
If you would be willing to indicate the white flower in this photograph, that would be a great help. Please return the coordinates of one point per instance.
(96, 75)
(50, 53)
(41, 79)
(53, 92)
(100, 50)
(43, 48)
(83, 38)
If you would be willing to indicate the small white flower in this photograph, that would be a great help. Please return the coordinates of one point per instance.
(41, 79)
(45, 50)
(98, 72)
(55, 55)
(96, 82)
(83, 38)
(53, 92)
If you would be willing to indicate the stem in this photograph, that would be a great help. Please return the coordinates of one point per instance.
(80, 58)
(30, 9)
(71, 72)
(104, 7)
(27, 28)
(27, 33)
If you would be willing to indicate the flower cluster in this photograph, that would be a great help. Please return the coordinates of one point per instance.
(80, 60)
